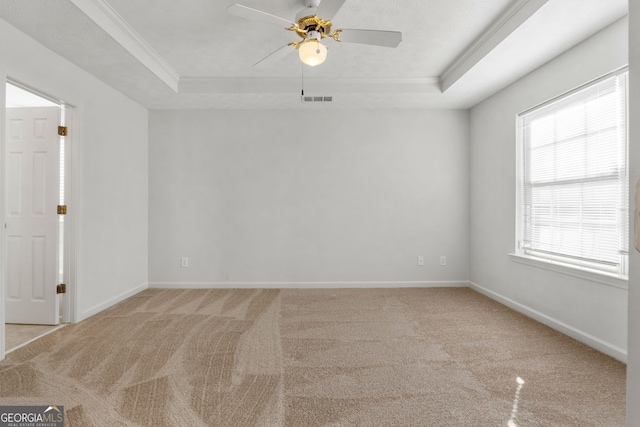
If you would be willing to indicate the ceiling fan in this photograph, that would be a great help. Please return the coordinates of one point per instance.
(313, 24)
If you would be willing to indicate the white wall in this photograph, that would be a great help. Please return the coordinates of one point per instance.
(593, 312)
(308, 198)
(111, 136)
(633, 367)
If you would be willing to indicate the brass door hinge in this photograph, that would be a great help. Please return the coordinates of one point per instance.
(62, 209)
(63, 130)
(61, 289)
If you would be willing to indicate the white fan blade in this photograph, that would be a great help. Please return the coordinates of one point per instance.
(257, 15)
(328, 9)
(373, 37)
(275, 56)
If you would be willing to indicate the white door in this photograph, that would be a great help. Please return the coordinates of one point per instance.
(31, 231)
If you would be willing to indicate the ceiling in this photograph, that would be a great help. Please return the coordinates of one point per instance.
(167, 54)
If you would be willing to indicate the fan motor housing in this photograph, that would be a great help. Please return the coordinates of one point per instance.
(313, 23)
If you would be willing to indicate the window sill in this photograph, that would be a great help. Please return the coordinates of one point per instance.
(609, 280)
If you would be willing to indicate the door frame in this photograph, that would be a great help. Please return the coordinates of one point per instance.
(69, 300)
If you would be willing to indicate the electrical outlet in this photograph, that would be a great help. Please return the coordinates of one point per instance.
(420, 260)
(184, 262)
(443, 260)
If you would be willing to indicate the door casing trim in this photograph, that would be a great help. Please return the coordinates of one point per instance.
(70, 299)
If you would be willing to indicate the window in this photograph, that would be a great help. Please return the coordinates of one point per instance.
(573, 190)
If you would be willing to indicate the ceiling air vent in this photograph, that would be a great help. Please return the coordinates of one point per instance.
(317, 98)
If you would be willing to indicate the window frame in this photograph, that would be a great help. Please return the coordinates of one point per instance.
(617, 277)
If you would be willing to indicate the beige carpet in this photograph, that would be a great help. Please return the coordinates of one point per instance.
(17, 334)
(371, 357)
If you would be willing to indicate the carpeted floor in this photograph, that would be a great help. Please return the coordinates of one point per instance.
(16, 335)
(371, 357)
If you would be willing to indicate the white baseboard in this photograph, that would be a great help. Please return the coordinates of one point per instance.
(123, 296)
(309, 285)
(585, 338)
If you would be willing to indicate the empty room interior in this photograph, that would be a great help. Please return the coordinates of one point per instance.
(321, 212)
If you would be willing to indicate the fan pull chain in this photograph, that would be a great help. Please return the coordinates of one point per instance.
(302, 82)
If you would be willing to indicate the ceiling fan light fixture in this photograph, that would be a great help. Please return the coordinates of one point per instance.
(312, 52)
(311, 28)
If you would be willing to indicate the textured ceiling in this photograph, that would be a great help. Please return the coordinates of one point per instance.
(202, 40)
(210, 53)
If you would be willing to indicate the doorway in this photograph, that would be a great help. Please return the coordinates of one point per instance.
(35, 225)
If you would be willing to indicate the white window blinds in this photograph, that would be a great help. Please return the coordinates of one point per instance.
(574, 191)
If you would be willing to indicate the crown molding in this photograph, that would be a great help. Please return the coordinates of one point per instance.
(512, 18)
(100, 12)
(248, 85)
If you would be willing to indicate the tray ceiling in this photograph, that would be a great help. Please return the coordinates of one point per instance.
(181, 55)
